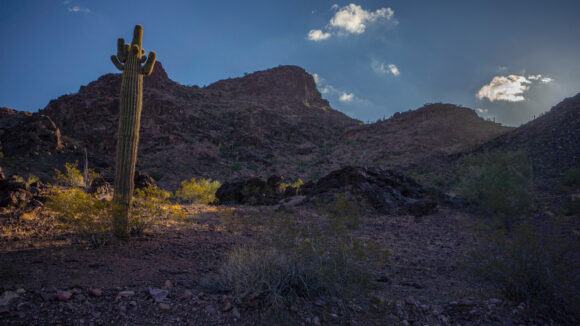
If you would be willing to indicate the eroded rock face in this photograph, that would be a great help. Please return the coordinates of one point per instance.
(253, 191)
(142, 180)
(386, 191)
(22, 133)
(14, 194)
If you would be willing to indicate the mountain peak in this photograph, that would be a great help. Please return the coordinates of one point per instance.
(280, 86)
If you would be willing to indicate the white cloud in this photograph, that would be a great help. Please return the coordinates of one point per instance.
(351, 19)
(346, 97)
(482, 111)
(76, 9)
(317, 79)
(509, 88)
(317, 35)
(539, 77)
(394, 69)
(382, 68)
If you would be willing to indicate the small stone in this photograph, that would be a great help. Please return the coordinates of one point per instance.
(333, 315)
(7, 297)
(133, 303)
(210, 309)
(236, 313)
(494, 301)
(316, 321)
(164, 307)
(228, 306)
(95, 292)
(187, 294)
(319, 302)
(406, 322)
(20, 291)
(168, 284)
(63, 295)
(126, 294)
(468, 302)
(158, 295)
(80, 297)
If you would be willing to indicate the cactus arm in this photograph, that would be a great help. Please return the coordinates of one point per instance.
(121, 53)
(137, 36)
(143, 52)
(143, 59)
(117, 64)
(148, 67)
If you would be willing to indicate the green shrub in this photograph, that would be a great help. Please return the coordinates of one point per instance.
(500, 182)
(29, 180)
(538, 268)
(82, 213)
(72, 176)
(198, 191)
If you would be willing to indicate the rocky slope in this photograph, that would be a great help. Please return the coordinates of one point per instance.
(432, 130)
(271, 122)
(552, 141)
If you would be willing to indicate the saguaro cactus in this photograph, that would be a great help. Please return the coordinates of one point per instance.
(128, 59)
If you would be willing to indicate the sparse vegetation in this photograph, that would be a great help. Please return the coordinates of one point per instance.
(299, 261)
(501, 183)
(198, 191)
(535, 266)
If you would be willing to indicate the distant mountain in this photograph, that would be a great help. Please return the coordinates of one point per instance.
(552, 141)
(432, 130)
(268, 122)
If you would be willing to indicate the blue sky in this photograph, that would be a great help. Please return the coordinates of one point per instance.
(509, 59)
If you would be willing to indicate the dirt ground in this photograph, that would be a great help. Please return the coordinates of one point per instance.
(56, 282)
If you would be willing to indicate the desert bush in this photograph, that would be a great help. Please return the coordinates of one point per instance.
(298, 261)
(537, 267)
(198, 191)
(31, 178)
(82, 213)
(500, 182)
(72, 176)
(150, 206)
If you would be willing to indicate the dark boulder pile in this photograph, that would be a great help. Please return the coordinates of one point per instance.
(253, 191)
(386, 191)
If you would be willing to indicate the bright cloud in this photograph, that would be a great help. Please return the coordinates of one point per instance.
(482, 111)
(76, 9)
(382, 68)
(351, 19)
(317, 35)
(346, 97)
(509, 88)
(354, 19)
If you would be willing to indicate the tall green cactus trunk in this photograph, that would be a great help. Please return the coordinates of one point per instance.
(128, 59)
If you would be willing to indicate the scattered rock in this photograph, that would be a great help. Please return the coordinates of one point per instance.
(236, 313)
(126, 294)
(142, 180)
(168, 284)
(101, 188)
(7, 297)
(63, 295)
(158, 295)
(187, 294)
(95, 292)
(20, 291)
(210, 309)
(164, 307)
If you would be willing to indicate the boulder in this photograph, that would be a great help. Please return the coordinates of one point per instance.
(143, 180)
(15, 194)
(101, 188)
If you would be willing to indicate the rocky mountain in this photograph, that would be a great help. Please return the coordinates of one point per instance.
(271, 122)
(552, 141)
(434, 130)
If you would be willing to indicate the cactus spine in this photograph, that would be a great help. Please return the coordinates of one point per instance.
(128, 59)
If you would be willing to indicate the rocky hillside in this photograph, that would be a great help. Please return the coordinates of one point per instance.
(552, 141)
(432, 130)
(265, 123)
